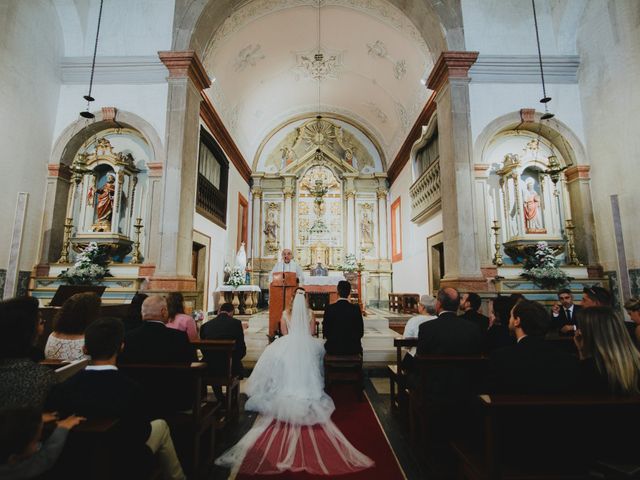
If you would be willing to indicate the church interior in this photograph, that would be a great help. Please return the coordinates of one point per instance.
(409, 147)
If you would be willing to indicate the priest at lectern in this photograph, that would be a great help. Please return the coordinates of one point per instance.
(287, 265)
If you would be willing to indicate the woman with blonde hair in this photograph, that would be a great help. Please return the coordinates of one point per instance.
(610, 363)
(286, 315)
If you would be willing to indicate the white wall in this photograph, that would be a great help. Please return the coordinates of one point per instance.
(609, 47)
(147, 101)
(411, 274)
(140, 27)
(506, 27)
(223, 241)
(30, 47)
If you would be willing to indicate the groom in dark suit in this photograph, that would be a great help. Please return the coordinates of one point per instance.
(342, 325)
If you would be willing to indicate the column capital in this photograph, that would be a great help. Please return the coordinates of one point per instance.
(155, 169)
(288, 192)
(578, 172)
(381, 193)
(450, 65)
(256, 192)
(60, 170)
(186, 64)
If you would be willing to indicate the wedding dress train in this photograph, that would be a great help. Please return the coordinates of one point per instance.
(294, 430)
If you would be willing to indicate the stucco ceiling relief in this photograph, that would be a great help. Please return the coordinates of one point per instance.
(249, 56)
(379, 49)
(319, 64)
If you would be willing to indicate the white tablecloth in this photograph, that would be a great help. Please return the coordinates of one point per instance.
(241, 288)
(329, 280)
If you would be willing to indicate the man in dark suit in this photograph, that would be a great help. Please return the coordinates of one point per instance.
(342, 324)
(470, 305)
(225, 327)
(564, 313)
(531, 366)
(154, 343)
(449, 334)
(101, 391)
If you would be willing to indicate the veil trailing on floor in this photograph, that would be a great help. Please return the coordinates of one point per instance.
(294, 430)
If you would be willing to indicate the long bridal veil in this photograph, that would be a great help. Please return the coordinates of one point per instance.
(294, 430)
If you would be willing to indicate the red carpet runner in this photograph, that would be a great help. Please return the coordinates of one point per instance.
(359, 424)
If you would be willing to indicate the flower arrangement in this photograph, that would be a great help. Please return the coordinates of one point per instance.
(350, 264)
(90, 267)
(541, 267)
(237, 277)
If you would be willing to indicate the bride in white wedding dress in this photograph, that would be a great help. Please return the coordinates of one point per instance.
(294, 430)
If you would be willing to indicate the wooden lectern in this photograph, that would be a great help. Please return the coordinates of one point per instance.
(280, 292)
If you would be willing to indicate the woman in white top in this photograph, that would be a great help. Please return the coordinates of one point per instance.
(287, 388)
(67, 339)
(286, 316)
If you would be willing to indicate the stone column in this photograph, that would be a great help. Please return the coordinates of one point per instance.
(350, 196)
(382, 222)
(450, 82)
(256, 222)
(289, 191)
(187, 78)
(58, 192)
(578, 185)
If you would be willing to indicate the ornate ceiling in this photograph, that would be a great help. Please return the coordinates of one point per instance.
(266, 72)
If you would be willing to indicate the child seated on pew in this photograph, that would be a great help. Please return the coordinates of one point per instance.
(101, 391)
(21, 453)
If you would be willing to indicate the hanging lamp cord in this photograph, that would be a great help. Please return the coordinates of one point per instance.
(95, 51)
(535, 21)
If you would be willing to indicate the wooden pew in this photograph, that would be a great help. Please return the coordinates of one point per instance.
(521, 432)
(440, 392)
(398, 377)
(229, 381)
(191, 430)
(48, 314)
(344, 369)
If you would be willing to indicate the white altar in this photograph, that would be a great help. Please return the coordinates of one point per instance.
(244, 298)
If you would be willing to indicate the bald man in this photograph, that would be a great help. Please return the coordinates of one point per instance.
(287, 264)
(153, 343)
(449, 334)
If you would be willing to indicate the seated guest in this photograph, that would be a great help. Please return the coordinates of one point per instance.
(609, 362)
(67, 339)
(178, 319)
(154, 343)
(632, 306)
(596, 297)
(225, 327)
(498, 335)
(22, 381)
(426, 312)
(449, 334)
(564, 313)
(532, 365)
(342, 324)
(101, 391)
(470, 305)
(21, 453)
(133, 319)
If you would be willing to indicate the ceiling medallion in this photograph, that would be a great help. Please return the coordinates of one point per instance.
(319, 64)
